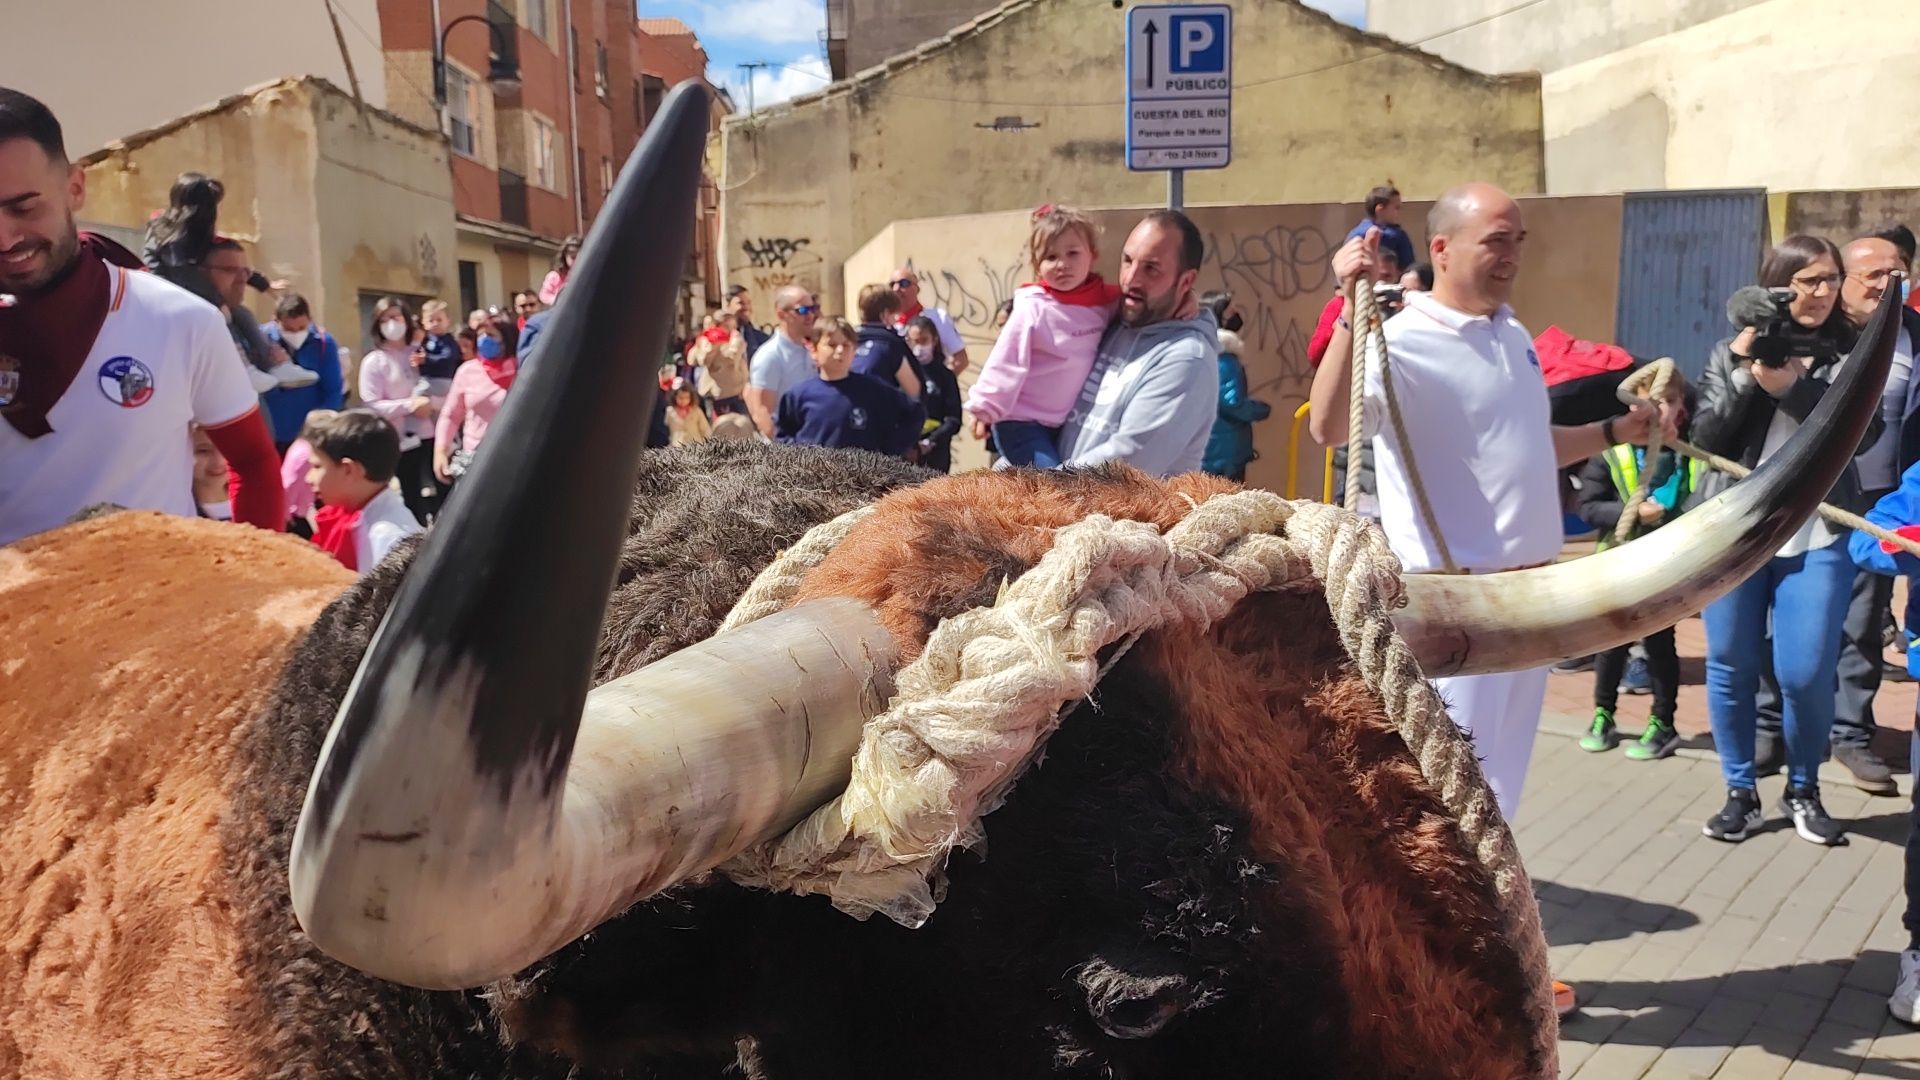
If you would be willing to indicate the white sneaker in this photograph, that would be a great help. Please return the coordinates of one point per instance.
(262, 381)
(1905, 1002)
(292, 375)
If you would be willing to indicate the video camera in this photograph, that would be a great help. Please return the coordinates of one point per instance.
(1778, 336)
(1389, 295)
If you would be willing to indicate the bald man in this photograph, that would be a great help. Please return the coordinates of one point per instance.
(1479, 431)
(906, 285)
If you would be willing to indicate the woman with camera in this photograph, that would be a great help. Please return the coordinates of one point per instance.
(1758, 388)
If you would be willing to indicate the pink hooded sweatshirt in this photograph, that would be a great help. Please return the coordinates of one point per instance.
(1040, 360)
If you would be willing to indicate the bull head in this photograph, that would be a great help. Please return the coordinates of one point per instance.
(475, 808)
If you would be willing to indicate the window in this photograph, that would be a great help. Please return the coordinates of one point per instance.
(463, 112)
(573, 56)
(546, 154)
(606, 176)
(600, 69)
(639, 107)
(537, 22)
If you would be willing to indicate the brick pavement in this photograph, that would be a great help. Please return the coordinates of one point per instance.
(1770, 958)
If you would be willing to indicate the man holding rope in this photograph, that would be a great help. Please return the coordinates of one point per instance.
(1479, 436)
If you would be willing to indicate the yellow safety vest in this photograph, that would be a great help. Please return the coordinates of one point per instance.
(1624, 466)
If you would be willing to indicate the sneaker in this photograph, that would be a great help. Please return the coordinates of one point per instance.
(1905, 1002)
(292, 375)
(262, 381)
(1573, 665)
(1636, 680)
(1769, 756)
(1870, 774)
(1565, 1001)
(1602, 735)
(1810, 819)
(1658, 741)
(1738, 819)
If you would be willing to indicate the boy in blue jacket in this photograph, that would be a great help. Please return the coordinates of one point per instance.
(1900, 513)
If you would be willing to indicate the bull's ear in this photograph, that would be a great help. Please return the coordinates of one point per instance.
(1136, 996)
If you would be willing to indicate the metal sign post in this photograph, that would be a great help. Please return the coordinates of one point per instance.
(1179, 91)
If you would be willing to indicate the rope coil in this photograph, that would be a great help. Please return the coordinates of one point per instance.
(973, 711)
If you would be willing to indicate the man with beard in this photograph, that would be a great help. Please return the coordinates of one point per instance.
(1150, 398)
(102, 369)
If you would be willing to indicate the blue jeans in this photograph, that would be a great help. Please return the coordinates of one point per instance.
(1807, 595)
(1023, 442)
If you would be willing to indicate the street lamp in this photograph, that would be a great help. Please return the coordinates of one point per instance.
(502, 72)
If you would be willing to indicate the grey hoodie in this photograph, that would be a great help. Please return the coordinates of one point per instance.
(1150, 399)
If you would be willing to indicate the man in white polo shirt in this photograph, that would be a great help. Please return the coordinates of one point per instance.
(103, 370)
(1480, 432)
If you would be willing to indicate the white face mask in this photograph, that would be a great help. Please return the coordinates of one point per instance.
(393, 329)
(294, 338)
(923, 353)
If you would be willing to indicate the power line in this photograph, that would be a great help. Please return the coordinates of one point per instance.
(1394, 48)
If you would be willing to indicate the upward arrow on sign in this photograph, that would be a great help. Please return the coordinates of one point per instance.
(1152, 32)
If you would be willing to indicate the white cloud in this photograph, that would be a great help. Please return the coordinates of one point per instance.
(771, 22)
(1351, 12)
(803, 75)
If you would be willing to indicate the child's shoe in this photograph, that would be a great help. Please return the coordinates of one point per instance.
(1658, 741)
(1602, 735)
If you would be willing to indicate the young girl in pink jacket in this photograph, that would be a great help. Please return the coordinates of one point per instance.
(1041, 359)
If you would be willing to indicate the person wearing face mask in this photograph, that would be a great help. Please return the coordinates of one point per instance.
(312, 348)
(389, 381)
(1230, 446)
(478, 390)
(939, 392)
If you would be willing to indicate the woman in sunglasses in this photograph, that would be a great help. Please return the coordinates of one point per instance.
(785, 360)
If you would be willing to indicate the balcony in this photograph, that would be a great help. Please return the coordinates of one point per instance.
(513, 199)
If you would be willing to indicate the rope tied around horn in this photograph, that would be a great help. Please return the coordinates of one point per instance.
(973, 711)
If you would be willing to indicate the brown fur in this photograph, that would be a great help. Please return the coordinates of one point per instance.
(1275, 721)
(116, 942)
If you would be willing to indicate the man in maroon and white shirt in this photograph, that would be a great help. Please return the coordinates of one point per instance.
(103, 369)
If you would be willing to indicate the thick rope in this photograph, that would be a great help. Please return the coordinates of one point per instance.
(973, 711)
(1370, 345)
(1659, 374)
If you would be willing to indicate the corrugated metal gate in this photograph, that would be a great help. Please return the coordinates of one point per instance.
(1681, 256)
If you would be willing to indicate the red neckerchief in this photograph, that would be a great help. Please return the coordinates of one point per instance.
(45, 338)
(1092, 292)
(334, 530)
(501, 371)
(907, 315)
(716, 334)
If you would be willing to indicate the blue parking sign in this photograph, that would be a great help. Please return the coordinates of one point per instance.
(1197, 43)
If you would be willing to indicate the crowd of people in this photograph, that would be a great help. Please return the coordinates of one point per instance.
(1081, 372)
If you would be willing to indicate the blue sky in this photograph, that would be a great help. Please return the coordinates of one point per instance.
(786, 34)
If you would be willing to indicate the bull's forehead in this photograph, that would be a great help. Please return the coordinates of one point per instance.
(931, 552)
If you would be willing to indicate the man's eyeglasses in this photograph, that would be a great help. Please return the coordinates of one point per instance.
(1811, 285)
(803, 310)
(903, 283)
(1877, 278)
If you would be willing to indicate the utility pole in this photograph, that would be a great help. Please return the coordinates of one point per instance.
(750, 67)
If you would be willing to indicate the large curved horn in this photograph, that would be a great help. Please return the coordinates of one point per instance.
(474, 808)
(1526, 618)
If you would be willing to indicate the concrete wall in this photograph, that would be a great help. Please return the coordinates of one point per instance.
(1275, 261)
(1500, 35)
(1324, 113)
(110, 68)
(1650, 94)
(1844, 215)
(878, 30)
(333, 201)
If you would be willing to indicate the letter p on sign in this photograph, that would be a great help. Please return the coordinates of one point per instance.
(1199, 44)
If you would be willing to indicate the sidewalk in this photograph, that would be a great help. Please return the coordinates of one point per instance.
(1763, 959)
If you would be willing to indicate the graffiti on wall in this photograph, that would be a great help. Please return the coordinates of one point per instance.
(970, 294)
(1279, 277)
(773, 251)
